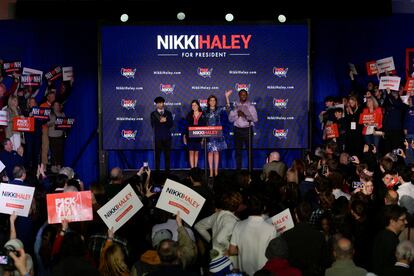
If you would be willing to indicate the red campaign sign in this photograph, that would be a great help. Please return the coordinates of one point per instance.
(23, 124)
(368, 118)
(331, 131)
(12, 67)
(54, 74)
(205, 131)
(372, 68)
(409, 85)
(71, 206)
(409, 62)
(64, 123)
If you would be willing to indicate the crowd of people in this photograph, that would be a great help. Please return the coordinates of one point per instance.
(351, 199)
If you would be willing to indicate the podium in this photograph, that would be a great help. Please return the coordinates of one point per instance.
(205, 132)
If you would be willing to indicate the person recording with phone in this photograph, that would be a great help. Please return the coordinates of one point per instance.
(243, 116)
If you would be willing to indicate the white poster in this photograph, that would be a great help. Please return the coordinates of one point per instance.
(390, 82)
(30, 71)
(15, 198)
(120, 208)
(67, 73)
(385, 65)
(282, 221)
(353, 68)
(176, 197)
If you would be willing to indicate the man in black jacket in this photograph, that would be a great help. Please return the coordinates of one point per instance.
(161, 123)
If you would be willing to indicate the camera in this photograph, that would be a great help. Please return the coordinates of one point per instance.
(5, 260)
(396, 151)
(145, 165)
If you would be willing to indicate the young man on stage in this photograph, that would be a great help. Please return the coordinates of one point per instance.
(161, 123)
(243, 116)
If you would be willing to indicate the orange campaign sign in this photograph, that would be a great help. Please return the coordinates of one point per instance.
(409, 85)
(332, 131)
(71, 206)
(372, 68)
(23, 124)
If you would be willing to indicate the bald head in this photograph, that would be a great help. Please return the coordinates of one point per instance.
(274, 156)
(116, 175)
(343, 249)
(391, 197)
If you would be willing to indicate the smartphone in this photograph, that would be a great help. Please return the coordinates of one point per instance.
(395, 151)
(357, 184)
(145, 165)
(4, 260)
(324, 169)
(156, 189)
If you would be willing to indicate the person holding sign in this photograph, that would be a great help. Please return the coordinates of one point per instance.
(213, 115)
(56, 137)
(50, 98)
(194, 118)
(161, 123)
(112, 261)
(243, 117)
(13, 110)
(371, 118)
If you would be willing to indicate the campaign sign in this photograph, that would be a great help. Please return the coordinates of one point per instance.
(41, 113)
(372, 68)
(282, 221)
(12, 67)
(67, 73)
(71, 206)
(15, 198)
(31, 80)
(409, 85)
(367, 119)
(176, 197)
(120, 208)
(390, 82)
(4, 118)
(385, 65)
(205, 131)
(23, 124)
(54, 74)
(64, 123)
(30, 71)
(331, 131)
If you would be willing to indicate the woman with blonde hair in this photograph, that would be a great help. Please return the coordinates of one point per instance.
(13, 111)
(112, 259)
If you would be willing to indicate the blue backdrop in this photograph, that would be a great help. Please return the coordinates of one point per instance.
(333, 44)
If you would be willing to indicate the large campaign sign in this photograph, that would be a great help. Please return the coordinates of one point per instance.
(120, 208)
(15, 198)
(176, 197)
(185, 63)
(71, 206)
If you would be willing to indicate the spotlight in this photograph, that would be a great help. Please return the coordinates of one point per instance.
(124, 17)
(180, 16)
(281, 18)
(229, 17)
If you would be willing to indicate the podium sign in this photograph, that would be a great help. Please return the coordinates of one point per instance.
(205, 131)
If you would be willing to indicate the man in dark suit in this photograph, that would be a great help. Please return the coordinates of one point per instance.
(161, 123)
(10, 158)
(19, 176)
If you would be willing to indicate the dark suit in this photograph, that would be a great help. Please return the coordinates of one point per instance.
(162, 137)
(397, 271)
(18, 182)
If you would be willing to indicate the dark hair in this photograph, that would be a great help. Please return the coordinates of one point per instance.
(303, 211)
(208, 102)
(393, 212)
(74, 183)
(231, 201)
(72, 245)
(197, 103)
(256, 205)
(196, 174)
(359, 208)
(159, 99)
(243, 91)
(168, 251)
(405, 173)
(18, 171)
